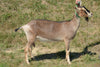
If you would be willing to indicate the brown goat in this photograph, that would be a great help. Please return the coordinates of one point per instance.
(54, 31)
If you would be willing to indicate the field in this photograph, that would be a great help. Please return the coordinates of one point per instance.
(85, 47)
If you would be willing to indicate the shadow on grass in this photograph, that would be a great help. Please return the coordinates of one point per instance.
(61, 54)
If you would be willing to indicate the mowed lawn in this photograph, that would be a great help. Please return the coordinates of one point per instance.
(85, 47)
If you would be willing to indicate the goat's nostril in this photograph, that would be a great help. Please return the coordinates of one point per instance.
(91, 14)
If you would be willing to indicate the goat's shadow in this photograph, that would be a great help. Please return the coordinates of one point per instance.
(61, 54)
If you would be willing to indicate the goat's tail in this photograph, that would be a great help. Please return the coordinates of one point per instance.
(17, 29)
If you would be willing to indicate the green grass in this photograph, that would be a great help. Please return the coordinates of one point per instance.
(85, 47)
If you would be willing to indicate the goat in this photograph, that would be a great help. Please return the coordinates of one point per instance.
(54, 31)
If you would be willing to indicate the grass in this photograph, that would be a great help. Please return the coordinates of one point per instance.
(85, 47)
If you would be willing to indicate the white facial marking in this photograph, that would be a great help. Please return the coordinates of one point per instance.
(89, 14)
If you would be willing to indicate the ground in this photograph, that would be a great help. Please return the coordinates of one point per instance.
(84, 48)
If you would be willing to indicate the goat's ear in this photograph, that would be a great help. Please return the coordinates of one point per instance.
(78, 4)
(87, 19)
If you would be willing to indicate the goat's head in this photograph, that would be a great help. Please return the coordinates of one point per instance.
(82, 11)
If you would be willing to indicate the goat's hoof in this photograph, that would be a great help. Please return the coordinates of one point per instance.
(28, 62)
(69, 62)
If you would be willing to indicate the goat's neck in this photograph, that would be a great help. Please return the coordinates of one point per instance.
(75, 22)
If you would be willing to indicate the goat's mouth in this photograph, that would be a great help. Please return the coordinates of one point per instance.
(90, 15)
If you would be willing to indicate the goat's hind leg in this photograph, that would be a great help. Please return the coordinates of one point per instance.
(26, 53)
(31, 40)
(30, 50)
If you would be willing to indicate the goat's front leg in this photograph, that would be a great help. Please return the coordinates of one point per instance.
(67, 50)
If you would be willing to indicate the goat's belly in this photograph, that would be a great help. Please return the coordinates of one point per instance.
(46, 39)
